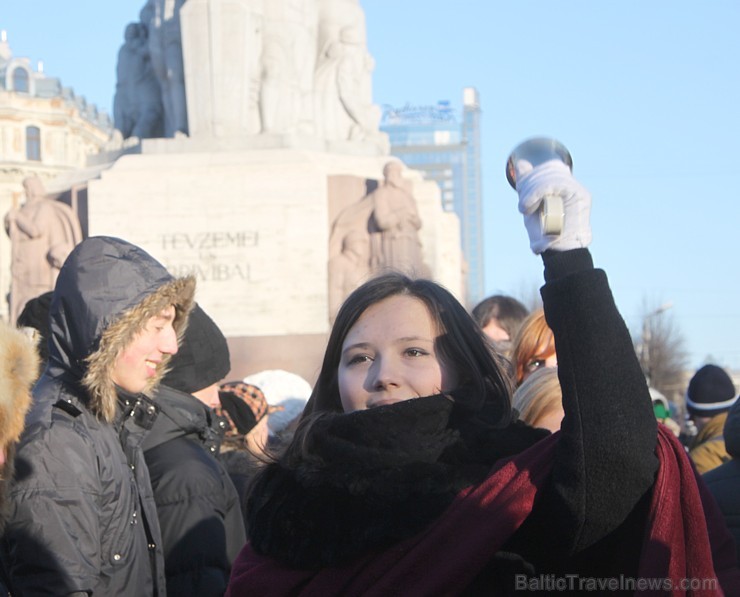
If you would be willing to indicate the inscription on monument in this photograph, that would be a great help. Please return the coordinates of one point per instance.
(179, 241)
(217, 256)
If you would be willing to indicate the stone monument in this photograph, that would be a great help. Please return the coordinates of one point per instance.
(268, 199)
(137, 105)
(42, 233)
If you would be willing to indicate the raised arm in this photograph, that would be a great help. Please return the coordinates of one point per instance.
(605, 460)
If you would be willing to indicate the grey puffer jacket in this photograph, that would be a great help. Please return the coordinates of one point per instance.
(83, 519)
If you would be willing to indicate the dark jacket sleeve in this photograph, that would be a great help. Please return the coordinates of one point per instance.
(605, 460)
(199, 515)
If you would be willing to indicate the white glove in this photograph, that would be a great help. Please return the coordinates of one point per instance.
(553, 178)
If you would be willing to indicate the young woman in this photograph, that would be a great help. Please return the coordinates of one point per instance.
(410, 476)
(533, 347)
(539, 400)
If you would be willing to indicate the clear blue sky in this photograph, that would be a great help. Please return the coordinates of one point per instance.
(645, 94)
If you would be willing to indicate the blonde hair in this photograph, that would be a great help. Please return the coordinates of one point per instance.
(538, 396)
(533, 340)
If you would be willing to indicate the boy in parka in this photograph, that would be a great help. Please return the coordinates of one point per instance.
(83, 519)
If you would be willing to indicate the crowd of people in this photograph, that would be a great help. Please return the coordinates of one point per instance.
(439, 451)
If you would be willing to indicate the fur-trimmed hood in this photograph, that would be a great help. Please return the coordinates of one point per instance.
(105, 293)
(19, 362)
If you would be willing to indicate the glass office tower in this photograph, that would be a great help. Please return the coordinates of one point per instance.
(434, 140)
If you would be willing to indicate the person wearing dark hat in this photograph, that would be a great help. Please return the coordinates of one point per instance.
(724, 481)
(197, 504)
(34, 320)
(709, 397)
(246, 410)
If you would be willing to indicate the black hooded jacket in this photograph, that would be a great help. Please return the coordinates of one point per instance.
(82, 514)
(197, 504)
(724, 480)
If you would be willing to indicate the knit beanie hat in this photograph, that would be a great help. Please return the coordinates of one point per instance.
(710, 392)
(285, 390)
(244, 405)
(661, 408)
(203, 357)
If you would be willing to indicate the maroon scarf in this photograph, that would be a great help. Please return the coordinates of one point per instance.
(685, 534)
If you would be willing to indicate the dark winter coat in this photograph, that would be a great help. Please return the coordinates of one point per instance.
(198, 507)
(83, 518)
(19, 368)
(590, 517)
(724, 480)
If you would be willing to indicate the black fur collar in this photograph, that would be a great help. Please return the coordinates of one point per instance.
(373, 478)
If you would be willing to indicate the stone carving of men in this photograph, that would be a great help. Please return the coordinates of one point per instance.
(165, 48)
(279, 93)
(343, 80)
(338, 87)
(301, 24)
(288, 59)
(397, 219)
(137, 105)
(350, 251)
(42, 233)
(348, 269)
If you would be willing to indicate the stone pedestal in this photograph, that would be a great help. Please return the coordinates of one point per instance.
(253, 226)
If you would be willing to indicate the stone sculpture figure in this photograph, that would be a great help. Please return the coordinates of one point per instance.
(396, 217)
(343, 80)
(354, 90)
(335, 15)
(376, 233)
(165, 48)
(301, 25)
(42, 233)
(137, 105)
(350, 251)
(288, 59)
(279, 94)
(349, 268)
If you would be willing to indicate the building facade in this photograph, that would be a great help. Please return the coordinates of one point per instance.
(45, 129)
(447, 150)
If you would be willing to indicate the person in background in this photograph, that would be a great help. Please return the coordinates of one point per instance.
(539, 400)
(709, 397)
(287, 394)
(409, 475)
(19, 365)
(197, 505)
(500, 317)
(662, 411)
(82, 517)
(724, 481)
(34, 320)
(533, 347)
(246, 411)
